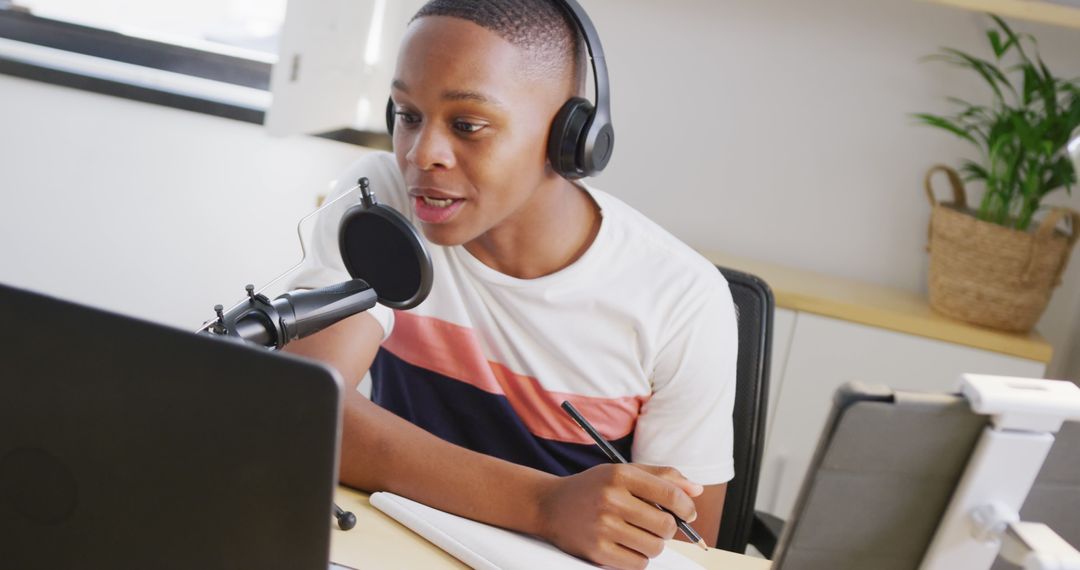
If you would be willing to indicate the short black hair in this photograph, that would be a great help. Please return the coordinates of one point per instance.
(541, 27)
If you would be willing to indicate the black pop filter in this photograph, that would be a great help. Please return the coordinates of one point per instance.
(381, 247)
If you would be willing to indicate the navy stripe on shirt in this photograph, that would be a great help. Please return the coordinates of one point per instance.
(470, 417)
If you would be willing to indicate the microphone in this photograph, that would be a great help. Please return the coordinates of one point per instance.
(294, 315)
(383, 253)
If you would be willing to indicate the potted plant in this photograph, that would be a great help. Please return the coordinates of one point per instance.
(992, 264)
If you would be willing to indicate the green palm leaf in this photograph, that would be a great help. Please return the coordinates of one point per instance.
(1020, 135)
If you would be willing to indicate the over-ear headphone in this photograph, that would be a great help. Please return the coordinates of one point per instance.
(582, 137)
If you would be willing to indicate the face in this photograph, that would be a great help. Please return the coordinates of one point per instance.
(471, 130)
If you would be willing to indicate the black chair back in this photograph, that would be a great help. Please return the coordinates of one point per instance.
(754, 305)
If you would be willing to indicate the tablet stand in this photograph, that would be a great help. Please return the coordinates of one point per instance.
(982, 518)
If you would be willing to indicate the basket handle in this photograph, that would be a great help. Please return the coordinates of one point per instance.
(959, 195)
(1046, 232)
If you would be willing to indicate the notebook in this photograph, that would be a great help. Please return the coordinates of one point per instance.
(486, 547)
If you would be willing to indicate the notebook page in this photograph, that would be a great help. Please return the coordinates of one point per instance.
(486, 547)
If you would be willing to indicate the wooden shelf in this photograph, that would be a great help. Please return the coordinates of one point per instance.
(881, 307)
(1034, 10)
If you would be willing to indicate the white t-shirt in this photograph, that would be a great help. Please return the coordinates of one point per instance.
(639, 334)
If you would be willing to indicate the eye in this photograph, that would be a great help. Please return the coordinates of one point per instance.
(468, 127)
(408, 118)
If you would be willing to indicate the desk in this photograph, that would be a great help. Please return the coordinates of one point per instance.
(379, 541)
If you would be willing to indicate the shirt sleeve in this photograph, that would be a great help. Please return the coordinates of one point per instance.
(686, 424)
(322, 263)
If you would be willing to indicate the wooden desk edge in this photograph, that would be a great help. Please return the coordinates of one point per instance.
(378, 541)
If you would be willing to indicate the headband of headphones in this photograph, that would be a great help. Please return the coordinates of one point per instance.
(582, 138)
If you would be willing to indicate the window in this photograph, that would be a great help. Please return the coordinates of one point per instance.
(219, 56)
(247, 28)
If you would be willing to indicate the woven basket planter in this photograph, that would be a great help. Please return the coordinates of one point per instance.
(988, 274)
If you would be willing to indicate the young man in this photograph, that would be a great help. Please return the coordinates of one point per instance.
(544, 290)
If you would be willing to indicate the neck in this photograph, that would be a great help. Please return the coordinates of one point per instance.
(550, 232)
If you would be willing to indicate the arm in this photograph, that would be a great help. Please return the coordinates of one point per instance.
(687, 422)
(602, 514)
(710, 506)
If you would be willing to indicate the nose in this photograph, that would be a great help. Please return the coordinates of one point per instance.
(430, 148)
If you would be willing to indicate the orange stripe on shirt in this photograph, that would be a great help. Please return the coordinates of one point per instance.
(454, 351)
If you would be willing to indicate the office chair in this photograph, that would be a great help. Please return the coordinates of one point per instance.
(754, 305)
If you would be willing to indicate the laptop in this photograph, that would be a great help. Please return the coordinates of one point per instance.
(128, 444)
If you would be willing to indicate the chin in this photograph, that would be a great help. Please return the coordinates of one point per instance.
(444, 235)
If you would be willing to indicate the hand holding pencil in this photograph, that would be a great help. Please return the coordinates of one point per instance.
(608, 514)
(614, 456)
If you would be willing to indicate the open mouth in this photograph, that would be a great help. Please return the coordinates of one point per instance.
(437, 203)
(436, 210)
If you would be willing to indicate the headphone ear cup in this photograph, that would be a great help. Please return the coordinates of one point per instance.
(567, 137)
(391, 116)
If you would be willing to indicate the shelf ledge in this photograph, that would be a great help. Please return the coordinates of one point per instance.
(1032, 10)
(881, 307)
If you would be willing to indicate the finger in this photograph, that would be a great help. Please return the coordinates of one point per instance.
(631, 537)
(618, 556)
(653, 489)
(647, 517)
(675, 476)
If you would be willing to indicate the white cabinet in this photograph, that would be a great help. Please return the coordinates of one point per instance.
(783, 329)
(813, 355)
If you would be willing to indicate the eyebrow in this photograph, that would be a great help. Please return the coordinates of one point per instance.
(455, 94)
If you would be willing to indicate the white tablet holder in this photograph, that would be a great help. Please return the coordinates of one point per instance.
(982, 519)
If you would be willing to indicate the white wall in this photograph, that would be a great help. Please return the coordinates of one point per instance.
(780, 129)
(147, 210)
(773, 129)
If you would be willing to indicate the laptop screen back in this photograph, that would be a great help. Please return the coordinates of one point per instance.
(127, 444)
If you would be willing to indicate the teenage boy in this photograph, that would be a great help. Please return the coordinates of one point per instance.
(544, 290)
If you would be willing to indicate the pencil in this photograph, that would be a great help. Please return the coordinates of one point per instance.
(614, 456)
